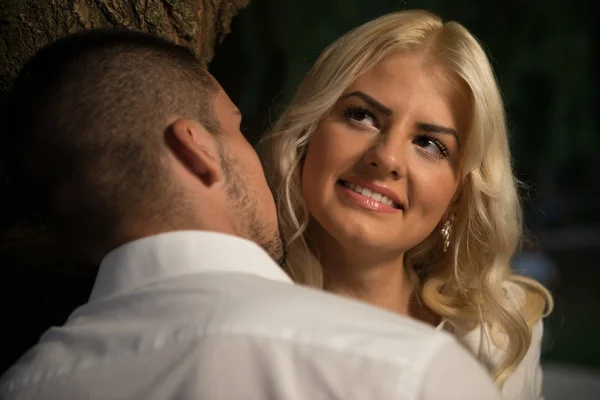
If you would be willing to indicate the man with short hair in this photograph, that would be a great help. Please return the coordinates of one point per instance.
(139, 160)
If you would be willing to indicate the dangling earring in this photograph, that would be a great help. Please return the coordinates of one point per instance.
(445, 231)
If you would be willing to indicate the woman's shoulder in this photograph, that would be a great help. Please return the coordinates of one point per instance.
(479, 338)
(487, 346)
(516, 293)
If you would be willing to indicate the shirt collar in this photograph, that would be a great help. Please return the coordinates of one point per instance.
(172, 254)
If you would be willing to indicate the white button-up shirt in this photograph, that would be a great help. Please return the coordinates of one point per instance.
(207, 316)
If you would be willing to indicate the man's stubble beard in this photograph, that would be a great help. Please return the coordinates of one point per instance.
(246, 218)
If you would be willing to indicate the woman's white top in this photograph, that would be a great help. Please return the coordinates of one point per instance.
(525, 383)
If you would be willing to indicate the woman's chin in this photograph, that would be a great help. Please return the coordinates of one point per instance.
(372, 247)
(357, 234)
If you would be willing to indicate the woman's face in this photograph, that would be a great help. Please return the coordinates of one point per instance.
(382, 169)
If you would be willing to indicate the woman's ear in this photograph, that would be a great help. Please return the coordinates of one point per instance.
(456, 202)
(453, 208)
(196, 149)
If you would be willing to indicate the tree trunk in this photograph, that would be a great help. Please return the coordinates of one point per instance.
(41, 282)
(26, 25)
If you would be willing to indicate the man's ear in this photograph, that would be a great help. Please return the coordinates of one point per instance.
(196, 148)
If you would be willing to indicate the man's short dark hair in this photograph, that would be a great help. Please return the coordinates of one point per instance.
(85, 125)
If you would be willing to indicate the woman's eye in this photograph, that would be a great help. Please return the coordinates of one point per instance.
(432, 145)
(361, 116)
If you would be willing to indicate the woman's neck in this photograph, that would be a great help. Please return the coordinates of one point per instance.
(371, 278)
(374, 278)
(385, 286)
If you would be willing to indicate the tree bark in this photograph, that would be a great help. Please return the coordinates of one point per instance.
(26, 25)
(41, 279)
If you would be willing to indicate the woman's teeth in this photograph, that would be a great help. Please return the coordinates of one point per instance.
(369, 193)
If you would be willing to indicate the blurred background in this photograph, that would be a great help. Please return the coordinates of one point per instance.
(546, 57)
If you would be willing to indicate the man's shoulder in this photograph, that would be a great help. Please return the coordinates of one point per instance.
(304, 316)
(245, 318)
(232, 305)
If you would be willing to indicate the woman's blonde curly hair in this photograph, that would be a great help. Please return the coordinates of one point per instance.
(466, 284)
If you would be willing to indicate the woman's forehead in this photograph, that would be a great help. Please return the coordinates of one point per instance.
(403, 80)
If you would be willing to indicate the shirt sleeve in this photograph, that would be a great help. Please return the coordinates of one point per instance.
(456, 375)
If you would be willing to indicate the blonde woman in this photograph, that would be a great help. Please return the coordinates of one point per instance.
(393, 174)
